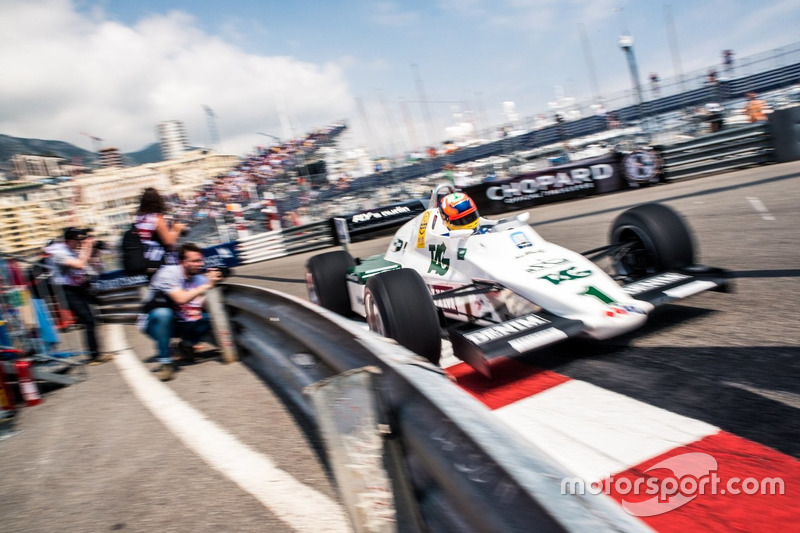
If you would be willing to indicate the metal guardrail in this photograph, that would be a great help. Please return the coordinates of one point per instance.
(728, 149)
(453, 466)
(280, 243)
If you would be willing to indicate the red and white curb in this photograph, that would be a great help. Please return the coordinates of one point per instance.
(704, 478)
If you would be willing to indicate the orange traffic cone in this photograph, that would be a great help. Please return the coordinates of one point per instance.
(27, 387)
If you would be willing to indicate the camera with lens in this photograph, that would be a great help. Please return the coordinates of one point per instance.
(224, 270)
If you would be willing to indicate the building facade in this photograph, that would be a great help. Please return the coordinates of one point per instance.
(110, 157)
(31, 214)
(172, 139)
(37, 207)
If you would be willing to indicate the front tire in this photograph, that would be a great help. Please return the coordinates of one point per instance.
(399, 306)
(657, 237)
(326, 283)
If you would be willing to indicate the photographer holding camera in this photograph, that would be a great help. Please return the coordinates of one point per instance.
(71, 271)
(174, 306)
(157, 234)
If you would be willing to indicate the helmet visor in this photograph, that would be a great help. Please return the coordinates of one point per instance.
(468, 221)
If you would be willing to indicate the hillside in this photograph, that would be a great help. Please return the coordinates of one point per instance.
(10, 146)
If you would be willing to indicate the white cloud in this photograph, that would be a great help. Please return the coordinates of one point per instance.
(391, 14)
(66, 72)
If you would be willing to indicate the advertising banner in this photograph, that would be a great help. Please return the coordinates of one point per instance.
(380, 218)
(221, 256)
(574, 180)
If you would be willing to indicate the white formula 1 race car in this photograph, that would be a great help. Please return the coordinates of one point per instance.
(498, 289)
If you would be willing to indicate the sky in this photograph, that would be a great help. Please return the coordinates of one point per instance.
(112, 69)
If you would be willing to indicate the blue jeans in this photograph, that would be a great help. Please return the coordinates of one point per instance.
(163, 324)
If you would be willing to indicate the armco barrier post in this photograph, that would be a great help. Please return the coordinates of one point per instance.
(220, 325)
(346, 410)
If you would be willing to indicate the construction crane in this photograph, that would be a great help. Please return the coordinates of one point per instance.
(95, 141)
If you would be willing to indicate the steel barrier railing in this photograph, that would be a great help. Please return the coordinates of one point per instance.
(728, 149)
(280, 243)
(464, 469)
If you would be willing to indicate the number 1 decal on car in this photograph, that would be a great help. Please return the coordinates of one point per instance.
(597, 293)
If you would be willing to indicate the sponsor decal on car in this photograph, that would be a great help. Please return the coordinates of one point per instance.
(537, 339)
(439, 263)
(499, 331)
(462, 253)
(623, 310)
(527, 252)
(397, 245)
(423, 227)
(568, 274)
(545, 264)
(521, 240)
(662, 280)
(445, 304)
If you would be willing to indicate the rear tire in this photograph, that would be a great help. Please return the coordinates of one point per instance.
(659, 237)
(399, 306)
(326, 283)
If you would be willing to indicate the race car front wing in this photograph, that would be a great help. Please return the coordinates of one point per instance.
(672, 285)
(530, 332)
(516, 336)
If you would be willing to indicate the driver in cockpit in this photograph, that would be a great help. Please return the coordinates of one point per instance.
(459, 212)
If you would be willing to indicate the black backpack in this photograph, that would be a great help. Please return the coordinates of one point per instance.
(134, 261)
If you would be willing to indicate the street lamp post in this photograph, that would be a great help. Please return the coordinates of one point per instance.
(626, 43)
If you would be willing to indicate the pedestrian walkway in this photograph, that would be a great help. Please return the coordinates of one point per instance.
(93, 457)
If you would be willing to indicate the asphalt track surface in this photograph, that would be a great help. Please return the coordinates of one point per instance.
(729, 359)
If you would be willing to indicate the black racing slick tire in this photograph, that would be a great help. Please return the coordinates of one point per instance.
(398, 305)
(326, 283)
(658, 239)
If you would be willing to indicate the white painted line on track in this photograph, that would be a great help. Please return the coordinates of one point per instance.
(299, 506)
(759, 207)
(594, 432)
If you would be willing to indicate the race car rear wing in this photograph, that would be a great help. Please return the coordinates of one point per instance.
(674, 285)
(513, 337)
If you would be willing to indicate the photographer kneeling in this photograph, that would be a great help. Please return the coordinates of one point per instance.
(174, 306)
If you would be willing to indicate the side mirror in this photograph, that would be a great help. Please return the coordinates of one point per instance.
(523, 217)
(461, 233)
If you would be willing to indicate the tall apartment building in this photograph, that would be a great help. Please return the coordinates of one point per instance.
(172, 138)
(110, 157)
